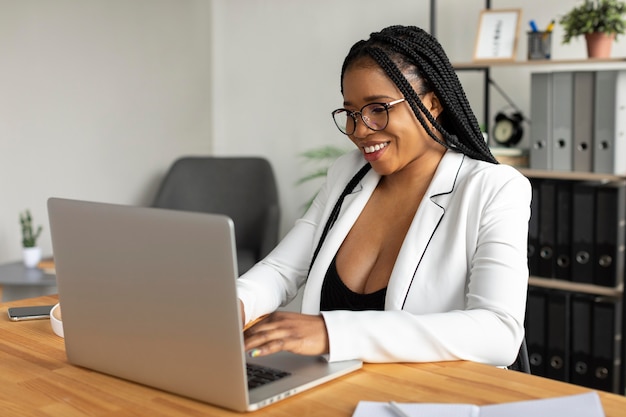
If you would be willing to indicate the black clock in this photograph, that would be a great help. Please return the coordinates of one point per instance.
(508, 129)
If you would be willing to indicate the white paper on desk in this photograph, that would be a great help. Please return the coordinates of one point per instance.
(580, 405)
(378, 409)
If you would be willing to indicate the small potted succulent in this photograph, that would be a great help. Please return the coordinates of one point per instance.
(30, 250)
(599, 21)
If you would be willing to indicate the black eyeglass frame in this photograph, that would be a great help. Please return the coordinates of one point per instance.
(353, 114)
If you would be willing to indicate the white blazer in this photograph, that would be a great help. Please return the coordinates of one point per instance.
(458, 287)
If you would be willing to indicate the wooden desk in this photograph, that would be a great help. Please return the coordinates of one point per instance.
(35, 379)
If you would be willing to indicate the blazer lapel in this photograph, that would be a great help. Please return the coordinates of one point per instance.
(423, 227)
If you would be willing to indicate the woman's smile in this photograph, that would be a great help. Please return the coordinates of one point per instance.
(374, 148)
(373, 152)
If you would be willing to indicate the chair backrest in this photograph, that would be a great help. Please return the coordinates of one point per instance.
(243, 188)
(522, 363)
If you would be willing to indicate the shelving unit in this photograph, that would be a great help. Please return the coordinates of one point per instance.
(575, 289)
(564, 361)
(566, 293)
(568, 369)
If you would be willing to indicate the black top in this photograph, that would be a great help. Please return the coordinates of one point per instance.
(336, 296)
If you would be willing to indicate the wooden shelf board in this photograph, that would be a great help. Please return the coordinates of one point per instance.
(571, 175)
(557, 284)
(537, 62)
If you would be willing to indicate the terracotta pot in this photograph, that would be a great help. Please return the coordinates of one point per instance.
(599, 45)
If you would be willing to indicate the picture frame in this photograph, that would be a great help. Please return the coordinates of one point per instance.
(497, 36)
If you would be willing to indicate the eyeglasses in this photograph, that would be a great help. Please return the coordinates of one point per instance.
(374, 115)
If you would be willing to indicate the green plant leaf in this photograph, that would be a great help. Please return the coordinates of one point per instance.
(604, 16)
(324, 155)
(29, 237)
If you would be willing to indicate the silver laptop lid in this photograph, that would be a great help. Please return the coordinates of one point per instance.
(141, 288)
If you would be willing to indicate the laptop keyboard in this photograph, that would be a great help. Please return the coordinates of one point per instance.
(261, 375)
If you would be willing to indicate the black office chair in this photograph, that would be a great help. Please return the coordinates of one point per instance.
(522, 363)
(243, 188)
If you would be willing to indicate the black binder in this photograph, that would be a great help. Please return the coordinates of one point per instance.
(563, 246)
(547, 226)
(533, 229)
(558, 335)
(610, 234)
(606, 344)
(583, 214)
(535, 325)
(581, 359)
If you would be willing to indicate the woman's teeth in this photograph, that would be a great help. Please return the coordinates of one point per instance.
(374, 148)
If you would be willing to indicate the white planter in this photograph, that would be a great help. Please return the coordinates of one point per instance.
(32, 256)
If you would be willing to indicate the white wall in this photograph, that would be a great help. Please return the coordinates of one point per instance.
(97, 98)
(276, 78)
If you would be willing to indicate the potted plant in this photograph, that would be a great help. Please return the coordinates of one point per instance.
(600, 21)
(30, 250)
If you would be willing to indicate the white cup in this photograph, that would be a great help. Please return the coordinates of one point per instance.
(55, 320)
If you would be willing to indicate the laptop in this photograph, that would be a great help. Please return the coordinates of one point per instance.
(149, 295)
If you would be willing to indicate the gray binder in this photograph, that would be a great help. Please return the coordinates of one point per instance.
(541, 120)
(610, 122)
(583, 113)
(562, 108)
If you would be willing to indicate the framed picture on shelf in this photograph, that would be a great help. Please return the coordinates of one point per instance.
(496, 39)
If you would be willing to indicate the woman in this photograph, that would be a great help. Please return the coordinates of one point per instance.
(415, 248)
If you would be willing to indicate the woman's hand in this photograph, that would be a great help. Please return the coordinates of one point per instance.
(297, 333)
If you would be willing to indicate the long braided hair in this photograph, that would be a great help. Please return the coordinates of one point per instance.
(409, 54)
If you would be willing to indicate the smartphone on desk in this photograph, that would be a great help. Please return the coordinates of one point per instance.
(29, 312)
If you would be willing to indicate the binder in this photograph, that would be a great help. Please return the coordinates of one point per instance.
(610, 234)
(562, 121)
(541, 120)
(583, 114)
(547, 226)
(610, 122)
(535, 325)
(606, 344)
(533, 229)
(583, 214)
(558, 335)
(563, 246)
(581, 354)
